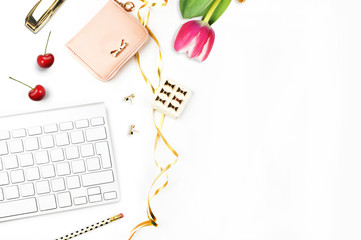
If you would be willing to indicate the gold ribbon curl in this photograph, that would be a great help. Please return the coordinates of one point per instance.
(152, 220)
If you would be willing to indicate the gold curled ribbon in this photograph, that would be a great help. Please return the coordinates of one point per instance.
(144, 22)
(152, 220)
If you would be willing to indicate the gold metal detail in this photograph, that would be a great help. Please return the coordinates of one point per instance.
(128, 6)
(132, 130)
(130, 98)
(116, 52)
(35, 25)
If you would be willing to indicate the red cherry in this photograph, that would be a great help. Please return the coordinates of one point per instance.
(46, 61)
(37, 93)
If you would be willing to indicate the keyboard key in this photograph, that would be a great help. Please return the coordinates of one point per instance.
(82, 124)
(87, 150)
(13, 208)
(95, 198)
(31, 144)
(47, 141)
(16, 146)
(27, 190)
(3, 148)
(94, 191)
(10, 162)
(73, 182)
(97, 178)
(64, 199)
(62, 139)
(2, 197)
(63, 169)
(18, 133)
(57, 155)
(4, 178)
(51, 128)
(34, 131)
(48, 171)
(93, 164)
(42, 187)
(65, 126)
(72, 152)
(78, 166)
(12, 192)
(26, 160)
(58, 184)
(80, 201)
(95, 134)
(47, 203)
(1, 165)
(32, 174)
(97, 121)
(17, 176)
(110, 195)
(77, 137)
(41, 157)
(102, 149)
(4, 135)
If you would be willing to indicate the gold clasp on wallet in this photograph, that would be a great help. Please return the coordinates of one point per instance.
(128, 6)
(35, 25)
(116, 52)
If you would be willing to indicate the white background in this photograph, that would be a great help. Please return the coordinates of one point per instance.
(269, 144)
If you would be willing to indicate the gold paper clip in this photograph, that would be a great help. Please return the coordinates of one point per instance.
(35, 25)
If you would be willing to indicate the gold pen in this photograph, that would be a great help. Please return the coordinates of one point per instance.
(91, 227)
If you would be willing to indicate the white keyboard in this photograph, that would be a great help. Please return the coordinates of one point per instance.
(55, 160)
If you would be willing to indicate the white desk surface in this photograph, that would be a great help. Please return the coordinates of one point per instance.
(269, 144)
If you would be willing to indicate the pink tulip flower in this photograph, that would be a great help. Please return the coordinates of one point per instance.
(195, 38)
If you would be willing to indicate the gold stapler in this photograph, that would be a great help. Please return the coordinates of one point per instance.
(36, 24)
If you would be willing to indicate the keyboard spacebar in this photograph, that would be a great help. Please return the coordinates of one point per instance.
(19, 207)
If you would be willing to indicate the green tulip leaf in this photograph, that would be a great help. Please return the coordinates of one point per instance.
(194, 8)
(222, 6)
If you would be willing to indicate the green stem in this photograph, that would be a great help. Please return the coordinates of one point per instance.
(21, 82)
(46, 47)
(211, 11)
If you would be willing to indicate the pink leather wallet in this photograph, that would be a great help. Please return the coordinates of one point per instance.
(108, 41)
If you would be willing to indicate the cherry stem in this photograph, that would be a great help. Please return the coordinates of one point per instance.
(21, 82)
(46, 47)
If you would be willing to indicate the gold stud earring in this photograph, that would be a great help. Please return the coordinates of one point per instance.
(130, 98)
(132, 130)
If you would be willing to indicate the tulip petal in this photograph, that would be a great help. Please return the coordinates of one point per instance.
(185, 35)
(208, 47)
(200, 41)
